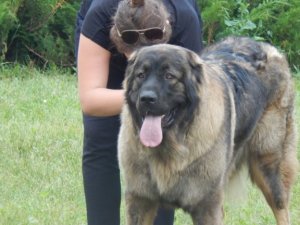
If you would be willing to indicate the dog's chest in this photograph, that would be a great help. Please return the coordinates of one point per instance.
(177, 188)
(163, 177)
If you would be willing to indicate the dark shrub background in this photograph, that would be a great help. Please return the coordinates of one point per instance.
(40, 32)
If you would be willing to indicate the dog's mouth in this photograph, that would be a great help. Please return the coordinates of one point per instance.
(151, 133)
(168, 119)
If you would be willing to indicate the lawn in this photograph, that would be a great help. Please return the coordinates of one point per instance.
(40, 155)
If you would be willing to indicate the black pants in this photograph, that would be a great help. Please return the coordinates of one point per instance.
(101, 173)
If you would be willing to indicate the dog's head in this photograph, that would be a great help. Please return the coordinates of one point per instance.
(161, 88)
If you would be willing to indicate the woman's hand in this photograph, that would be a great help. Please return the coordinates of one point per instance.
(93, 71)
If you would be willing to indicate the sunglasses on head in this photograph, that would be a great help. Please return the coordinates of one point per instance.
(132, 36)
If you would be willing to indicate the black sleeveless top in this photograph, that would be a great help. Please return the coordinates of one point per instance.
(186, 30)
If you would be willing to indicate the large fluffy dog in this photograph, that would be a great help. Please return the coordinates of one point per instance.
(190, 123)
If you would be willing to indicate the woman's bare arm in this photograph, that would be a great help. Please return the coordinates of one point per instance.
(93, 71)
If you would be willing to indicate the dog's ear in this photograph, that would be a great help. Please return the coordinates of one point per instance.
(192, 83)
(195, 62)
(127, 82)
(194, 77)
(132, 57)
(130, 63)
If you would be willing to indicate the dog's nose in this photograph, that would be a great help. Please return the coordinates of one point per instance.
(148, 97)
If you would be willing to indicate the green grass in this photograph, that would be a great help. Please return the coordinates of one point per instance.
(40, 149)
(40, 155)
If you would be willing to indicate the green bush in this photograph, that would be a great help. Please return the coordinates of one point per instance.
(8, 22)
(40, 31)
(274, 21)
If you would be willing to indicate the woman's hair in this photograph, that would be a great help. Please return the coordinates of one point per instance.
(139, 14)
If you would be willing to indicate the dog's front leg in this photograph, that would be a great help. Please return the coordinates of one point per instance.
(209, 216)
(139, 211)
(209, 211)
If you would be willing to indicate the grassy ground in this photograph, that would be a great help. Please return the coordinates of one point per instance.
(40, 155)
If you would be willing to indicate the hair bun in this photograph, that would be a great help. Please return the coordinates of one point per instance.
(137, 3)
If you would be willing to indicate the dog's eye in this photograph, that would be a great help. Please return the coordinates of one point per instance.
(140, 75)
(169, 76)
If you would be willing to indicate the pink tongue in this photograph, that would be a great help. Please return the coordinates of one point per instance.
(151, 132)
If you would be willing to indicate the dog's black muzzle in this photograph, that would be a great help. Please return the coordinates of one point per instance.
(149, 101)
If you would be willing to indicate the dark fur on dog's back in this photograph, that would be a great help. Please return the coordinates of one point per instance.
(241, 60)
(233, 105)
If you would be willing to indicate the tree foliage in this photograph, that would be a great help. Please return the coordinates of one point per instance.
(42, 31)
(273, 21)
(39, 31)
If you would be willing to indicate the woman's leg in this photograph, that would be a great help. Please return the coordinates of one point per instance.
(164, 217)
(101, 174)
